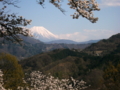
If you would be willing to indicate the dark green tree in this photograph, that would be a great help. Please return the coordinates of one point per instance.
(13, 73)
(112, 77)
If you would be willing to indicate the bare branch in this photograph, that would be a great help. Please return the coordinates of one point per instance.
(11, 26)
(11, 2)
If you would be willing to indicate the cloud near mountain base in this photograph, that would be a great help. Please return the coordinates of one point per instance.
(45, 35)
(88, 35)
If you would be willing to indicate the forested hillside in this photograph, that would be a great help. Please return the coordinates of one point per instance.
(101, 72)
(92, 68)
(31, 46)
(105, 46)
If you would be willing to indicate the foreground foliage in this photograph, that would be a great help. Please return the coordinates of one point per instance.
(112, 76)
(12, 25)
(39, 81)
(13, 74)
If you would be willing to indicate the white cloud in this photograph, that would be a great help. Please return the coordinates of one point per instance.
(88, 35)
(110, 3)
(77, 36)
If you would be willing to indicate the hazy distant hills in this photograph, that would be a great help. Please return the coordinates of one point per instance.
(30, 39)
(62, 41)
(28, 47)
(31, 46)
(71, 42)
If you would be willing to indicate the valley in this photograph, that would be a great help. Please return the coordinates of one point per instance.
(31, 46)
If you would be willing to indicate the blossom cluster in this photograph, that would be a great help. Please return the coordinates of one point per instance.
(1, 81)
(38, 81)
(84, 8)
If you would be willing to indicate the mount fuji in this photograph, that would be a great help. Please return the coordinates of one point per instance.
(43, 34)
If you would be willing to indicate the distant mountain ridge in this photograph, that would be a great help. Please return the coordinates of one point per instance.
(71, 42)
(62, 41)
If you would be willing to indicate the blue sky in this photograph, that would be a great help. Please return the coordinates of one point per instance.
(64, 26)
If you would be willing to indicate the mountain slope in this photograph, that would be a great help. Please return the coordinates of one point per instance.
(26, 49)
(64, 63)
(31, 46)
(104, 46)
(30, 39)
(62, 41)
(71, 42)
(50, 59)
(90, 41)
(42, 34)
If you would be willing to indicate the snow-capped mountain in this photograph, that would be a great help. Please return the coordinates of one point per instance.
(42, 34)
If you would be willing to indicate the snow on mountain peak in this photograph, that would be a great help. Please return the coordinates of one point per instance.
(42, 34)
